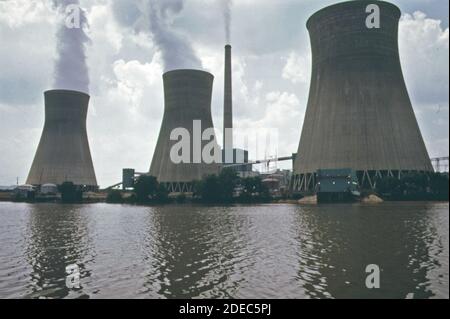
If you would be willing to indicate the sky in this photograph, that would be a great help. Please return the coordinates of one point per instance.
(125, 62)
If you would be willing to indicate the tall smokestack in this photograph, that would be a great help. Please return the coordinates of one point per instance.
(187, 98)
(359, 113)
(228, 105)
(63, 154)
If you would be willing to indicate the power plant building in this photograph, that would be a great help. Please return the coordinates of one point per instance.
(359, 115)
(187, 95)
(63, 154)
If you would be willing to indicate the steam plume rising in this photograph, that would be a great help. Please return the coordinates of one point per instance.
(226, 8)
(176, 51)
(71, 71)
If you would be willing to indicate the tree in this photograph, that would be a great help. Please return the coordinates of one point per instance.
(388, 186)
(439, 186)
(70, 193)
(114, 197)
(162, 194)
(228, 180)
(254, 189)
(209, 189)
(146, 188)
(218, 189)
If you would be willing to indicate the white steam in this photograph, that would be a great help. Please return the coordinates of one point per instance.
(71, 71)
(226, 9)
(176, 51)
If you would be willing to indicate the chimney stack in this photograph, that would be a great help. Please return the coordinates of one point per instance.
(228, 107)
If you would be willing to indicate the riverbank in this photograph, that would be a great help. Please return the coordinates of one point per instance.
(102, 197)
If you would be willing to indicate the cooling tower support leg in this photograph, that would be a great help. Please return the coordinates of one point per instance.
(306, 183)
(179, 187)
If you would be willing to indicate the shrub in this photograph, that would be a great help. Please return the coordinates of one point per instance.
(114, 197)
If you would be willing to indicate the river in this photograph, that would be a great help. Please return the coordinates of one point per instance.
(262, 251)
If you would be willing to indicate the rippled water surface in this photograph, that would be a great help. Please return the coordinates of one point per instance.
(267, 251)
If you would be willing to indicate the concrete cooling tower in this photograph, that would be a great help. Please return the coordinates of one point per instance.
(359, 115)
(187, 95)
(63, 154)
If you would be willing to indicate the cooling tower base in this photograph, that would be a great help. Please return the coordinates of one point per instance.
(179, 187)
(306, 183)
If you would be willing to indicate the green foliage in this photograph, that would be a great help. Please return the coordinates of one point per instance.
(254, 190)
(181, 198)
(414, 186)
(209, 189)
(221, 189)
(388, 185)
(162, 194)
(70, 193)
(439, 184)
(218, 189)
(114, 197)
(228, 180)
(146, 188)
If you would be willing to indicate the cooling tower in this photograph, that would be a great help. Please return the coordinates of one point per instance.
(359, 114)
(63, 153)
(228, 103)
(187, 95)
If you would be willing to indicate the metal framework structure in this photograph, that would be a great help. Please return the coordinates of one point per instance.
(440, 164)
(306, 183)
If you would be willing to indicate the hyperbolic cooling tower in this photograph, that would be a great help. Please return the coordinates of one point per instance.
(359, 114)
(187, 95)
(63, 153)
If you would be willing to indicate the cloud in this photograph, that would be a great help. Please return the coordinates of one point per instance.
(424, 50)
(26, 69)
(297, 68)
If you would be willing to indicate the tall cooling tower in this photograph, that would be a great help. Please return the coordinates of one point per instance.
(188, 95)
(63, 153)
(359, 114)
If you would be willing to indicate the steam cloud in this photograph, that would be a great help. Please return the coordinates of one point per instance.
(156, 17)
(176, 51)
(226, 8)
(71, 71)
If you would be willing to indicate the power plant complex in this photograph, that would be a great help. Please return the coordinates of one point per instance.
(359, 116)
(63, 154)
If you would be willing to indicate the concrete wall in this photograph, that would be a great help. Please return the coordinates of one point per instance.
(359, 114)
(188, 95)
(63, 153)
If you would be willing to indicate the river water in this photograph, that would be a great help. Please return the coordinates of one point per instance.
(264, 251)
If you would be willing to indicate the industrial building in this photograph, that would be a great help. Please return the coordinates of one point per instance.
(359, 114)
(187, 98)
(63, 154)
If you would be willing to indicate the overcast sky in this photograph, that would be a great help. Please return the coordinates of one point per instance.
(271, 74)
